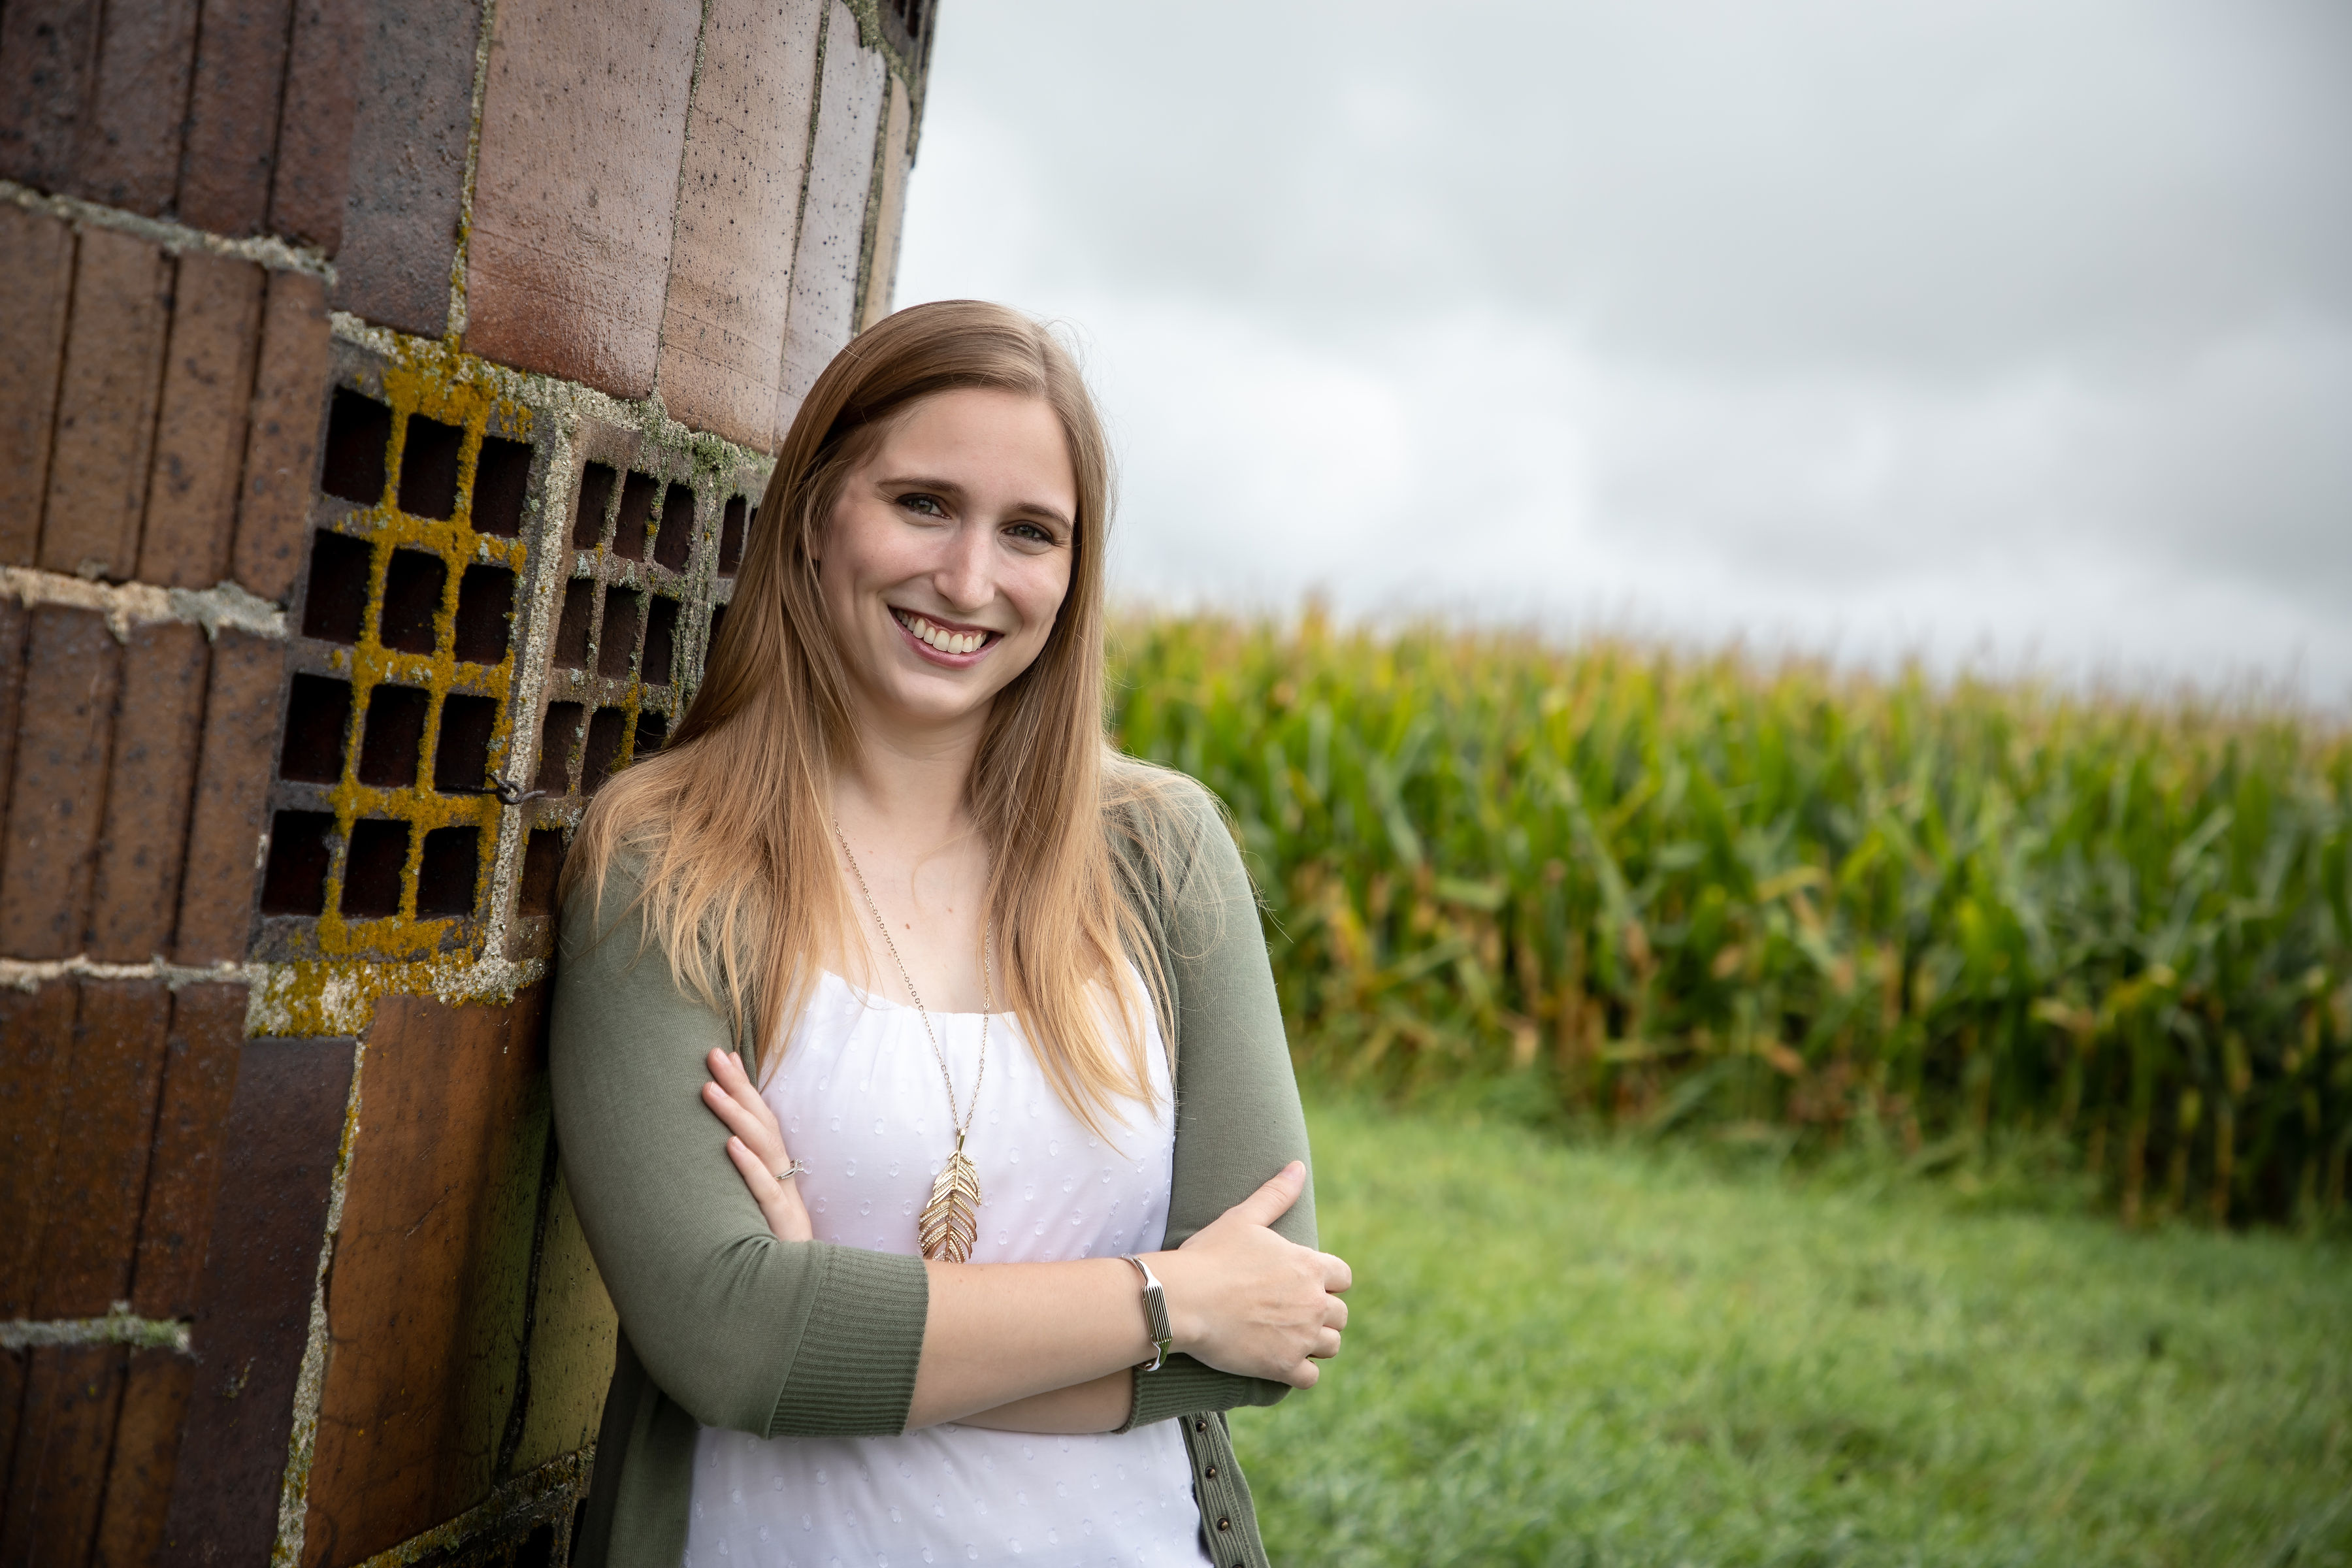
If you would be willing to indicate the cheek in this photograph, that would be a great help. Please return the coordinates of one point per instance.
(1039, 592)
(857, 549)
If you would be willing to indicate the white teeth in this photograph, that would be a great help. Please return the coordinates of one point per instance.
(940, 637)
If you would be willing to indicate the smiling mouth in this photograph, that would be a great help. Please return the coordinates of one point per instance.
(940, 638)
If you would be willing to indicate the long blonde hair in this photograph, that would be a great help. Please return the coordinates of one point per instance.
(740, 886)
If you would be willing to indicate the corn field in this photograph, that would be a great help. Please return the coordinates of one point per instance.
(1691, 892)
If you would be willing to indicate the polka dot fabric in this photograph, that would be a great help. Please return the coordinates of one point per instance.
(859, 1097)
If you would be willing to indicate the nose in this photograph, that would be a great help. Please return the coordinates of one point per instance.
(966, 578)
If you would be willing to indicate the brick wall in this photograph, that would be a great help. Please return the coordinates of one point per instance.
(391, 387)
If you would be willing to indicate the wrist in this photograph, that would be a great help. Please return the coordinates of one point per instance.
(1177, 1289)
(1156, 1331)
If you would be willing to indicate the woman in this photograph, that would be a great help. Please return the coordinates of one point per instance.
(910, 1047)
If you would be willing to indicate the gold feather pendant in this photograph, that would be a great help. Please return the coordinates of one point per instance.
(949, 1224)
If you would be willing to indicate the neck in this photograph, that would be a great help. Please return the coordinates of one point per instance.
(910, 782)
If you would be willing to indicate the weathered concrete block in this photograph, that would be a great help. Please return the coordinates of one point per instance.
(16, 625)
(149, 782)
(58, 1482)
(64, 734)
(232, 148)
(432, 1266)
(833, 214)
(130, 148)
(106, 405)
(35, 1051)
(413, 107)
(200, 430)
(49, 57)
(34, 289)
(106, 1116)
(281, 451)
(199, 1080)
(285, 1125)
(146, 1450)
(890, 207)
(583, 122)
(738, 203)
(225, 820)
(575, 1331)
(312, 176)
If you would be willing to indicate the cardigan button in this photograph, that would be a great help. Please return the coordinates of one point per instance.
(1224, 1524)
(1199, 1426)
(1212, 1472)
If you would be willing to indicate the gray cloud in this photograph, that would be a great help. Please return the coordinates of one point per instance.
(1910, 326)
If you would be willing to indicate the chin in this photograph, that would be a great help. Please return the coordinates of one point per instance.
(934, 701)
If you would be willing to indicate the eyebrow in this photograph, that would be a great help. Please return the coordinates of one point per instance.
(949, 487)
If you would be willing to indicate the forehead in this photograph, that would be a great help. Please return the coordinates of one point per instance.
(1009, 445)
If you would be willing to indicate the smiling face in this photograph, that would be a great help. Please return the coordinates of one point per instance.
(948, 555)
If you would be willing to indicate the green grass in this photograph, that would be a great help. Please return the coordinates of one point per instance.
(1609, 1355)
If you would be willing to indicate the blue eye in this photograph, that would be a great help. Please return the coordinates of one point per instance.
(929, 505)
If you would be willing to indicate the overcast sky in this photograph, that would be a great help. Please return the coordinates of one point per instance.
(2011, 332)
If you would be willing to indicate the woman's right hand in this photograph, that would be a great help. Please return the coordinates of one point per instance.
(756, 1144)
(1243, 1299)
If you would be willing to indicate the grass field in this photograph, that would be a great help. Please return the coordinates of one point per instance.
(1622, 1355)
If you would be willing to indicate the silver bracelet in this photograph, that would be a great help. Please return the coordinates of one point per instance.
(1155, 1312)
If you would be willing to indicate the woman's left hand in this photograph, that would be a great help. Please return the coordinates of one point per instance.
(756, 1144)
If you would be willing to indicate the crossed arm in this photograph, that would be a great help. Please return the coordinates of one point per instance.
(743, 1327)
(1046, 1347)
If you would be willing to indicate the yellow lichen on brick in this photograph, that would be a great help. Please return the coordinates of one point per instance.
(439, 383)
(338, 996)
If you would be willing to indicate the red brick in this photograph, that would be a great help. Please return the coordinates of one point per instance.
(426, 1305)
(106, 1118)
(59, 1478)
(49, 57)
(200, 430)
(415, 110)
(281, 446)
(15, 622)
(36, 1046)
(106, 405)
(833, 214)
(583, 122)
(72, 669)
(159, 723)
(199, 1082)
(12, 1405)
(146, 1445)
(225, 819)
(739, 198)
(284, 1128)
(233, 107)
(890, 207)
(34, 288)
(314, 127)
(131, 145)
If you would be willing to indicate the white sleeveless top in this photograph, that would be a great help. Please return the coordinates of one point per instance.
(860, 1100)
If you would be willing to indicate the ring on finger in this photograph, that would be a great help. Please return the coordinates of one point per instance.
(796, 1168)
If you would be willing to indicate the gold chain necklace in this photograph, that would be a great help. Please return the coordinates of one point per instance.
(948, 1226)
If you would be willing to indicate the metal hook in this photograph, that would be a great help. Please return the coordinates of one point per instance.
(508, 792)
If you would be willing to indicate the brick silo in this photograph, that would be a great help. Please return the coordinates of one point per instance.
(388, 389)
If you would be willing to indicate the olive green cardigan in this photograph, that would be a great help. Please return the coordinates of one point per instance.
(723, 1325)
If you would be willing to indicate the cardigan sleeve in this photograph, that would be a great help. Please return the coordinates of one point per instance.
(1238, 1119)
(743, 1330)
